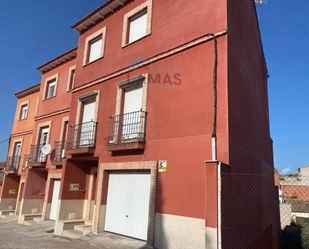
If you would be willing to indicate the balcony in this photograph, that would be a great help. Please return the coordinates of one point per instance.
(82, 138)
(36, 157)
(12, 164)
(58, 153)
(127, 131)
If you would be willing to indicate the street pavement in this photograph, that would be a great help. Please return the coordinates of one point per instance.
(40, 235)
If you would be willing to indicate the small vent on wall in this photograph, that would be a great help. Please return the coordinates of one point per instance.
(72, 216)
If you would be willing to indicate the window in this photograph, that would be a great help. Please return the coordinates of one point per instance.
(94, 46)
(71, 78)
(13, 163)
(17, 149)
(137, 23)
(43, 141)
(50, 87)
(44, 134)
(130, 115)
(83, 133)
(24, 111)
(138, 27)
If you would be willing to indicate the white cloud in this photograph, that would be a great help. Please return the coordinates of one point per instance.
(285, 171)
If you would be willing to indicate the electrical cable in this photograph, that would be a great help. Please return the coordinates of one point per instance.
(5, 141)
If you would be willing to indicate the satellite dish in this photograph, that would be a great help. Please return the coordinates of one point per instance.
(46, 149)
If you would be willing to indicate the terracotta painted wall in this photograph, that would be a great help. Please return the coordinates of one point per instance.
(249, 138)
(10, 183)
(250, 142)
(74, 172)
(55, 132)
(179, 126)
(25, 124)
(167, 20)
(36, 181)
(62, 99)
(24, 150)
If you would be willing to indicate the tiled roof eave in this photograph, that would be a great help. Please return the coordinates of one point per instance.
(59, 60)
(98, 14)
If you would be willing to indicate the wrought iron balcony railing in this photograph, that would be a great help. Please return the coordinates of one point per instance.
(36, 154)
(58, 152)
(12, 163)
(25, 162)
(129, 127)
(82, 135)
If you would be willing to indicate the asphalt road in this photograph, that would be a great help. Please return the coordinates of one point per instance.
(40, 235)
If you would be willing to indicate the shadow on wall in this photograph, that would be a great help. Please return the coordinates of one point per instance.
(160, 240)
(250, 211)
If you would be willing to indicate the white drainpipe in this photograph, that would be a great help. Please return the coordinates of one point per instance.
(219, 206)
(214, 147)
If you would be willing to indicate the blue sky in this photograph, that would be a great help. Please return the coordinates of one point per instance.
(285, 34)
(35, 31)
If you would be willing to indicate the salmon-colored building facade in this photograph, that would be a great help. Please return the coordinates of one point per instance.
(142, 117)
(50, 127)
(19, 146)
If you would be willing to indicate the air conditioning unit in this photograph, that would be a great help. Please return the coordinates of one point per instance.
(63, 153)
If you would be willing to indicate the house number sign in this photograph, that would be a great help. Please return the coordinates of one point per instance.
(162, 166)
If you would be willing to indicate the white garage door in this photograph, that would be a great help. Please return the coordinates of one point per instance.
(127, 205)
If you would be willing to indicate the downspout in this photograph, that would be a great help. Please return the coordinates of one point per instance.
(219, 205)
(214, 145)
(214, 131)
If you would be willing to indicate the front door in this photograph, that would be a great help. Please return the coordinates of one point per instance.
(55, 198)
(86, 135)
(131, 114)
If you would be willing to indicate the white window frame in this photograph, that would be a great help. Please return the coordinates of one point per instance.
(49, 80)
(20, 111)
(146, 6)
(95, 47)
(13, 145)
(99, 34)
(24, 111)
(51, 85)
(132, 29)
(71, 80)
